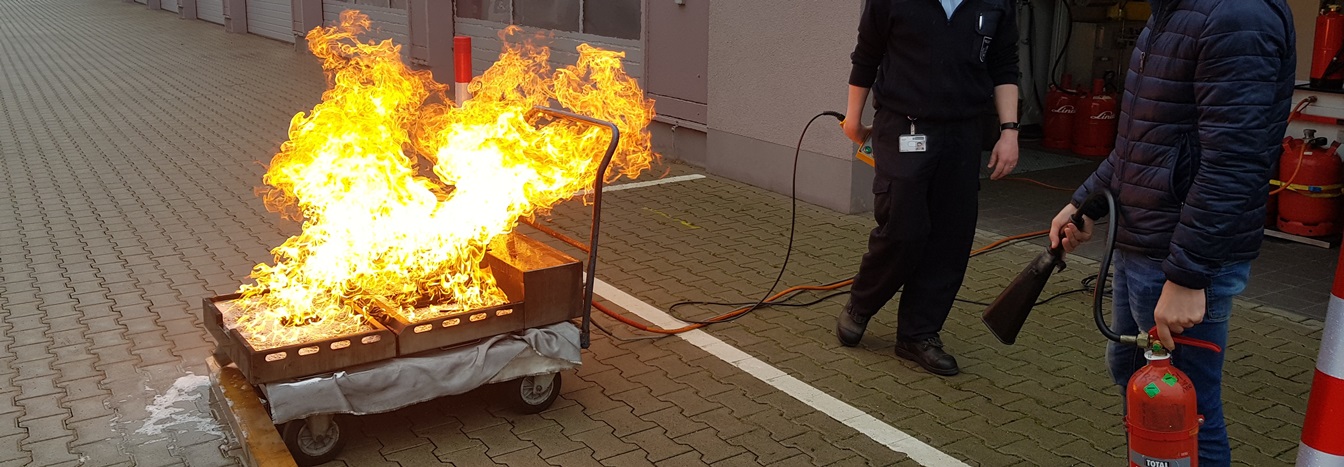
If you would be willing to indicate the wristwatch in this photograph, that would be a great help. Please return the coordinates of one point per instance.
(1009, 126)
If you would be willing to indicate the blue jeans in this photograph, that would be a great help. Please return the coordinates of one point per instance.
(1137, 286)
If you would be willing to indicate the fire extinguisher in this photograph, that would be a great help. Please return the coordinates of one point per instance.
(1095, 123)
(1309, 187)
(1327, 66)
(1061, 104)
(1162, 413)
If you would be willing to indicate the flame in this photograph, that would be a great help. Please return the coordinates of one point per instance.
(401, 192)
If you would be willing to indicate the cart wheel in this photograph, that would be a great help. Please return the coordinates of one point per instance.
(534, 394)
(311, 448)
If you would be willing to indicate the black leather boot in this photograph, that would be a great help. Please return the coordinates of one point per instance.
(849, 327)
(929, 354)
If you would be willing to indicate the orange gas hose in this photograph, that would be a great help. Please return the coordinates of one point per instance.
(1038, 182)
(785, 292)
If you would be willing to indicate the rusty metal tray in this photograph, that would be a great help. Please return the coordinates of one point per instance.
(543, 285)
(296, 360)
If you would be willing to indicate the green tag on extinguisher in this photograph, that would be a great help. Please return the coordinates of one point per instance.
(1170, 379)
(1152, 390)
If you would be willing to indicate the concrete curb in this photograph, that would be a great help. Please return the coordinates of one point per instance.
(237, 405)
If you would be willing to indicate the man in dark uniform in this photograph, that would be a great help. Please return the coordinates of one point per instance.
(936, 65)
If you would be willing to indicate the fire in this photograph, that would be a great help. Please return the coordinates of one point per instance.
(401, 192)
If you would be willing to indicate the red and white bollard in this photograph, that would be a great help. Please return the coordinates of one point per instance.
(461, 68)
(1323, 430)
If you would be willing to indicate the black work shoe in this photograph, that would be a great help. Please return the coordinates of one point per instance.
(849, 327)
(928, 353)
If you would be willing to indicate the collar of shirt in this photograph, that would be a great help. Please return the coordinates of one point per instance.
(950, 6)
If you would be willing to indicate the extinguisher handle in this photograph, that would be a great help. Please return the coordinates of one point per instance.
(1182, 340)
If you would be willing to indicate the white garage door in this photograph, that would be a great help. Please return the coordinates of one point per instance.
(170, 5)
(142, 2)
(210, 10)
(387, 23)
(271, 18)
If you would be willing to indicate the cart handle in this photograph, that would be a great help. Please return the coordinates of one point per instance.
(597, 211)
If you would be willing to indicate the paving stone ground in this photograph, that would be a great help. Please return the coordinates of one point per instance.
(130, 144)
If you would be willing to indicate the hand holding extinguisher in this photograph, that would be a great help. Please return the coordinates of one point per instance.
(1162, 413)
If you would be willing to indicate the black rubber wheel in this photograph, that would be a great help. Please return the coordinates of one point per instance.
(529, 396)
(312, 448)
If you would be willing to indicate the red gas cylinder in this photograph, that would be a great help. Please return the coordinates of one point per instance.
(1061, 104)
(1310, 206)
(1327, 72)
(1095, 123)
(1162, 415)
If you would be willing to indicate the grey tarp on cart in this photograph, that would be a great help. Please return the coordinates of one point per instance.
(392, 384)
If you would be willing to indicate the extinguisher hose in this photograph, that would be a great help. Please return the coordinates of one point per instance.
(1098, 296)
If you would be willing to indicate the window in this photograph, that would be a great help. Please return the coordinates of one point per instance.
(612, 18)
(560, 15)
(621, 19)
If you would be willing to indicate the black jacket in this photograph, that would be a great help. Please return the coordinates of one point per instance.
(931, 67)
(1204, 111)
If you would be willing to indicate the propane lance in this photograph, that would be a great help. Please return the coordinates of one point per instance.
(865, 151)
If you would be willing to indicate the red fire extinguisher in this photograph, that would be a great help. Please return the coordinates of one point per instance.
(1095, 123)
(1327, 66)
(1061, 105)
(1162, 412)
(1309, 187)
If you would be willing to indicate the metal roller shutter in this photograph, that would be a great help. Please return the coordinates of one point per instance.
(170, 5)
(271, 18)
(210, 10)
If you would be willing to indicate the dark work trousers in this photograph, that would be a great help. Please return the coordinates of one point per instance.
(926, 205)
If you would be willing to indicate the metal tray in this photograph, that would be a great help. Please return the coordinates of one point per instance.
(296, 360)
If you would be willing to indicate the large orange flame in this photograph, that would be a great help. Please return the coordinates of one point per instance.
(378, 226)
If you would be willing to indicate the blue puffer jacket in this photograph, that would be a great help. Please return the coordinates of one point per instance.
(1204, 112)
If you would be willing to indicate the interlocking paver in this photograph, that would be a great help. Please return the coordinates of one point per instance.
(466, 455)
(578, 458)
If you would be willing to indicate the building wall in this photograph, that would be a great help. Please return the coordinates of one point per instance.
(772, 66)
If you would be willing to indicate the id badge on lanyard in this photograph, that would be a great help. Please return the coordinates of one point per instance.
(914, 142)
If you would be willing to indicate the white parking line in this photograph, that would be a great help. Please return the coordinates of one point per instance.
(627, 186)
(870, 426)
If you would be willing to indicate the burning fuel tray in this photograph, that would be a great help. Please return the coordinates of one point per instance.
(296, 360)
(544, 286)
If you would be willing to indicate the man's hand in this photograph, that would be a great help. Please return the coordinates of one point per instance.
(1178, 309)
(1071, 235)
(855, 130)
(1004, 158)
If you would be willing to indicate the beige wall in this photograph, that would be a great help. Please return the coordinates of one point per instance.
(1304, 19)
(774, 64)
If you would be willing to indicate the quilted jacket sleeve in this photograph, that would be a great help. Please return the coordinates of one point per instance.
(1101, 178)
(1236, 84)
